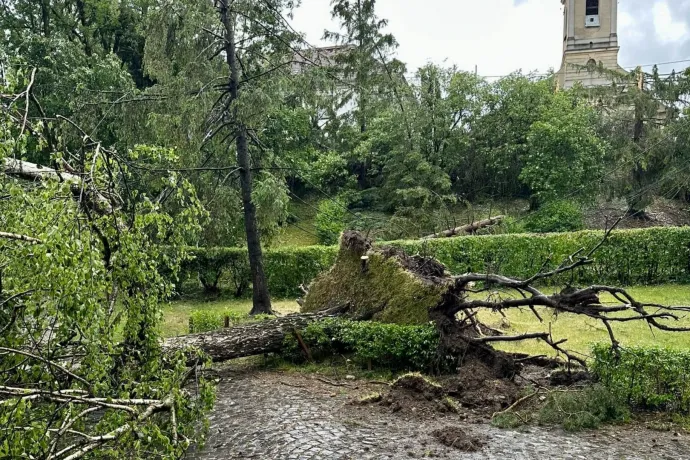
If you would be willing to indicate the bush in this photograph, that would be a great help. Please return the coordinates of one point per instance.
(585, 409)
(330, 221)
(647, 378)
(383, 345)
(213, 320)
(556, 216)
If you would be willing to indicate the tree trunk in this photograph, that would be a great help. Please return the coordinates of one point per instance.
(467, 229)
(45, 17)
(639, 201)
(248, 340)
(261, 297)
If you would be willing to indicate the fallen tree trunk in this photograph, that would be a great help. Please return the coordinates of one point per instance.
(247, 340)
(467, 229)
(81, 188)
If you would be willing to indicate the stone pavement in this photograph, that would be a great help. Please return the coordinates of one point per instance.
(272, 415)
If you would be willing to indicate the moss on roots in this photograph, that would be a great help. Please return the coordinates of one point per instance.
(381, 287)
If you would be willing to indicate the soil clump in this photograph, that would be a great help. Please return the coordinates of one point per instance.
(458, 438)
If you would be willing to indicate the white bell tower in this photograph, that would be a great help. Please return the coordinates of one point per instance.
(590, 39)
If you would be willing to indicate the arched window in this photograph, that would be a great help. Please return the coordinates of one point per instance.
(592, 7)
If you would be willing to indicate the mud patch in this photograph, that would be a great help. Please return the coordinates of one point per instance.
(476, 386)
(417, 396)
(457, 438)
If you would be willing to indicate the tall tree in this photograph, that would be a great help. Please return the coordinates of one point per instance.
(636, 109)
(367, 67)
(258, 46)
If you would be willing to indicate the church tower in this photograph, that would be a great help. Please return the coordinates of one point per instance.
(590, 39)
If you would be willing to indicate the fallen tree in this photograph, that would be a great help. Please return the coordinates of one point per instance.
(247, 340)
(387, 285)
(82, 186)
(390, 286)
(469, 229)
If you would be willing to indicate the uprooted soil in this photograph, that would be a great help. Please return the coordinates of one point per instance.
(415, 395)
(457, 438)
(475, 390)
(424, 267)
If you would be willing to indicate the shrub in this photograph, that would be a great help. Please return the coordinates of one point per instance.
(330, 221)
(556, 216)
(384, 345)
(509, 226)
(286, 268)
(647, 378)
(583, 409)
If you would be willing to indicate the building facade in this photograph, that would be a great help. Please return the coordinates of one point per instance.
(590, 41)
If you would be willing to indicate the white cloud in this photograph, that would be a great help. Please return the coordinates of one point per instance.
(667, 28)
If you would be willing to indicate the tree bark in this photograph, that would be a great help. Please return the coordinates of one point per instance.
(247, 340)
(467, 229)
(45, 17)
(261, 297)
(80, 189)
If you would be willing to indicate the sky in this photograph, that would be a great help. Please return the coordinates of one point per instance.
(502, 36)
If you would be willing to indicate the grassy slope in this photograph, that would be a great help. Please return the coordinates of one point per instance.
(662, 212)
(582, 332)
(303, 232)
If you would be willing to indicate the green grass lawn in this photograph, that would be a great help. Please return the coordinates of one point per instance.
(176, 314)
(581, 332)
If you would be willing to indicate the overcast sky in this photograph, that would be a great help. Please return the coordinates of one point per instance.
(501, 36)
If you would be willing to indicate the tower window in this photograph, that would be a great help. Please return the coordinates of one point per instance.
(592, 7)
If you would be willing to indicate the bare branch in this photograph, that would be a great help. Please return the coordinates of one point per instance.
(15, 236)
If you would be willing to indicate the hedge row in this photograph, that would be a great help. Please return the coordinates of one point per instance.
(286, 268)
(629, 257)
(368, 343)
(646, 378)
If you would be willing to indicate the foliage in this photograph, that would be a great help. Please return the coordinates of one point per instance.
(629, 257)
(556, 216)
(583, 409)
(574, 409)
(213, 320)
(86, 293)
(646, 378)
(287, 268)
(330, 221)
(564, 151)
(391, 346)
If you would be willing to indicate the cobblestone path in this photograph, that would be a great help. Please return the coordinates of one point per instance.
(270, 415)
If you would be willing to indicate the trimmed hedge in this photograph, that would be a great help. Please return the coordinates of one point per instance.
(286, 268)
(647, 378)
(629, 257)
